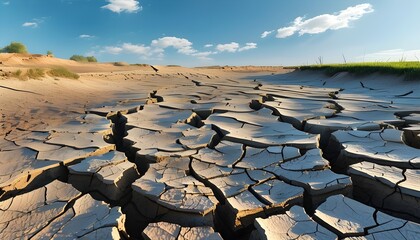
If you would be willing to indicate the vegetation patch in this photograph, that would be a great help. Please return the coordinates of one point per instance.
(17, 73)
(410, 70)
(80, 58)
(35, 73)
(140, 65)
(14, 47)
(63, 73)
(121, 64)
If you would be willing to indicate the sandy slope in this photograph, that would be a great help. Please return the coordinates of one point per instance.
(34, 103)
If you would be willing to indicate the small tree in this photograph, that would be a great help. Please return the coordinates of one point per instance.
(49, 53)
(15, 47)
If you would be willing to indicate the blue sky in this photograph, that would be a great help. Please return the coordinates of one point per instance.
(216, 32)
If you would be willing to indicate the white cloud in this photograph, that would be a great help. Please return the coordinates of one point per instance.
(285, 32)
(228, 47)
(6, 3)
(266, 34)
(392, 55)
(181, 44)
(157, 48)
(248, 46)
(30, 24)
(118, 6)
(204, 55)
(235, 47)
(324, 22)
(112, 50)
(86, 36)
(208, 45)
(136, 49)
(34, 23)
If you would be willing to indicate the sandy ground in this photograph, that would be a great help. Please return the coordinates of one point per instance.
(35, 104)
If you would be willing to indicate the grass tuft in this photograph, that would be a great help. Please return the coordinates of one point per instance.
(35, 73)
(62, 72)
(410, 70)
(121, 64)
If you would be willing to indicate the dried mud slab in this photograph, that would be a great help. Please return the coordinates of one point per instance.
(260, 129)
(384, 147)
(349, 218)
(38, 157)
(58, 210)
(262, 200)
(168, 191)
(388, 188)
(170, 231)
(110, 174)
(258, 182)
(311, 172)
(297, 111)
(155, 118)
(294, 224)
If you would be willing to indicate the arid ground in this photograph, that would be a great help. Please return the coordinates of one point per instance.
(167, 152)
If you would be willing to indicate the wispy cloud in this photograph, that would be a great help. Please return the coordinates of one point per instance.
(266, 34)
(6, 3)
(324, 22)
(137, 49)
(235, 47)
(119, 6)
(228, 47)
(34, 23)
(112, 50)
(182, 45)
(248, 46)
(86, 36)
(156, 49)
(392, 55)
(30, 24)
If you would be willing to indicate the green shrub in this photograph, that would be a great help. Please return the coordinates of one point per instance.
(80, 58)
(140, 65)
(49, 53)
(35, 73)
(91, 59)
(62, 72)
(14, 47)
(120, 64)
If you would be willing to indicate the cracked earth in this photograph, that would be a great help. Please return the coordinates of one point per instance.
(183, 154)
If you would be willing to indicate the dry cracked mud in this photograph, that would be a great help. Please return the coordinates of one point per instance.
(195, 156)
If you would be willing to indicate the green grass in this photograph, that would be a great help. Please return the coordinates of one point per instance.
(62, 72)
(410, 70)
